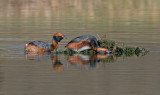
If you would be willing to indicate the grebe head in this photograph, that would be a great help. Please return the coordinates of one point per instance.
(102, 51)
(57, 36)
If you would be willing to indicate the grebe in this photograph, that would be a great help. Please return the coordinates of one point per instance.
(41, 47)
(86, 42)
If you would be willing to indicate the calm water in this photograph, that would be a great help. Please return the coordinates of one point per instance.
(133, 22)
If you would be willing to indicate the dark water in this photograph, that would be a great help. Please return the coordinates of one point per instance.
(133, 22)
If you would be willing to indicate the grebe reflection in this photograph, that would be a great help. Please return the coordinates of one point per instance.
(80, 61)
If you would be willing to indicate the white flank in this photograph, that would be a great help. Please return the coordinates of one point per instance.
(84, 48)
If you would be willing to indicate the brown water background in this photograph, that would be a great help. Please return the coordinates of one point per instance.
(133, 22)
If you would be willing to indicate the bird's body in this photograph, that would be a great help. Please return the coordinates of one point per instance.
(40, 46)
(85, 42)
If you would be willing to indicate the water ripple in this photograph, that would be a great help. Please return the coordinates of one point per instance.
(11, 39)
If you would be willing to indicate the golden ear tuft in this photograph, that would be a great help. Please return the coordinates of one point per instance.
(58, 34)
(55, 33)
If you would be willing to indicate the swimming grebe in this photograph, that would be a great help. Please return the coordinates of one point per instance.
(41, 47)
(86, 42)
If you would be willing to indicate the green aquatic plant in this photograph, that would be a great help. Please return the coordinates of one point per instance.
(109, 44)
(121, 50)
(112, 46)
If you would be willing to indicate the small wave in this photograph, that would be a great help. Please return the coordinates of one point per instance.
(11, 39)
(11, 46)
(154, 51)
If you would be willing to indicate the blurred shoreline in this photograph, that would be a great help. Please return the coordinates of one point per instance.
(79, 8)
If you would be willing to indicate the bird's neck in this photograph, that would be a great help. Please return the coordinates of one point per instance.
(54, 45)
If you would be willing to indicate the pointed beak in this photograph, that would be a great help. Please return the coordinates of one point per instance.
(109, 52)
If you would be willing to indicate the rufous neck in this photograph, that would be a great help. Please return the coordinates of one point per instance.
(54, 41)
(54, 45)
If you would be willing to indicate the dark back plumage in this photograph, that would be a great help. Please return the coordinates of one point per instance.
(41, 44)
(90, 39)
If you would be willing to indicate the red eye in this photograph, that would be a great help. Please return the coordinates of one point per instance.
(61, 35)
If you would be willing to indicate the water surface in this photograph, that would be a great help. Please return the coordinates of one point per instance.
(133, 22)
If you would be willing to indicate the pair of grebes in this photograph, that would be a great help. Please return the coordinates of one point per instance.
(77, 44)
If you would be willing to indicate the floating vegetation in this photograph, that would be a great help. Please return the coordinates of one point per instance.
(111, 46)
(122, 50)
